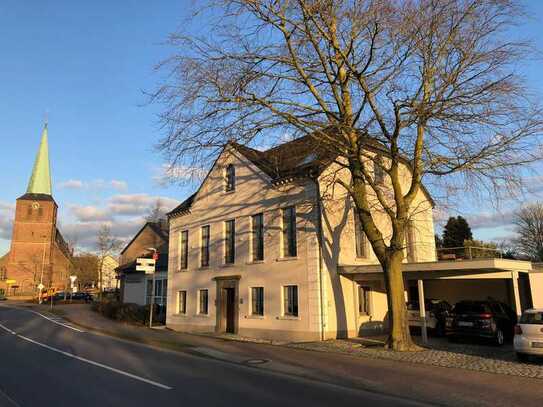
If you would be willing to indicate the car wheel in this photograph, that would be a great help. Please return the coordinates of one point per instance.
(522, 357)
(499, 339)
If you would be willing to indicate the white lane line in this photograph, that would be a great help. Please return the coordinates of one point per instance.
(91, 362)
(5, 328)
(56, 321)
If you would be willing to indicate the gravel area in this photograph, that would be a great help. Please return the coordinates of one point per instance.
(439, 352)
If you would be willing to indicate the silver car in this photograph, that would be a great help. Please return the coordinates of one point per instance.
(529, 334)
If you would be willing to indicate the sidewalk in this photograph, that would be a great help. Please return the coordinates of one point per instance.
(433, 384)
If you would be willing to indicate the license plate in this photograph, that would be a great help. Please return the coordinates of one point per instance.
(464, 323)
(537, 344)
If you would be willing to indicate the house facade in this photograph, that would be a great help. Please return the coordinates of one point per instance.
(109, 275)
(256, 250)
(136, 286)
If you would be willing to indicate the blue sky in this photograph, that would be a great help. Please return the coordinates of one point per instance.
(86, 64)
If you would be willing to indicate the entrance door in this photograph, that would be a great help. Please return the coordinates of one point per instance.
(227, 304)
(230, 294)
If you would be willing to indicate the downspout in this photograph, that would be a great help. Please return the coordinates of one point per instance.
(320, 246)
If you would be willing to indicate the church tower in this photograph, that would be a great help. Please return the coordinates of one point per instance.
(38, 252)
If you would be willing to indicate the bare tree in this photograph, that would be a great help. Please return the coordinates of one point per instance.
(529, 228)
(86, 268)
(107, 245)
(157, 212)
(427, 84)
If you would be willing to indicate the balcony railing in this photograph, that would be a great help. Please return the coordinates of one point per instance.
(468, 253)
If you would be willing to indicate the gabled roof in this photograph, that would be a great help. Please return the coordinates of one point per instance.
(158, 227)
(62, 245)
(296, 157)
(300, 157)
(183, 207)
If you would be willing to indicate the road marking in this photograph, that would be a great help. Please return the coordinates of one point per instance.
(55, 321)
(91, 362)
(5, 328)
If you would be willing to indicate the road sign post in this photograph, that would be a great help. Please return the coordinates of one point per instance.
(149, 266)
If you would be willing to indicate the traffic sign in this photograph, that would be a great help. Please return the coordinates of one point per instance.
(146, 265)
(11, 281)
(40, 286)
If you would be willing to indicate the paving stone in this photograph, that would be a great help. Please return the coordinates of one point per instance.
(477, 357)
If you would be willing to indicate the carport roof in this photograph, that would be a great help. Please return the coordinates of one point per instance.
(438, 269)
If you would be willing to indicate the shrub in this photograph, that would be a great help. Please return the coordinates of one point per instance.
(129, 312)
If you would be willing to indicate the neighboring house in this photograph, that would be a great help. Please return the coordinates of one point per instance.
(268, 247)
(136, 286)
(38, 252)
(109, 275)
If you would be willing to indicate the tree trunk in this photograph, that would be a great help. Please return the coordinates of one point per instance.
(399, 337)
(100, 295)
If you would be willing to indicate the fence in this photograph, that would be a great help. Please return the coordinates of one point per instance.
(468, 253)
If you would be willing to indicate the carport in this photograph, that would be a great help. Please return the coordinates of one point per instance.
(511, 281)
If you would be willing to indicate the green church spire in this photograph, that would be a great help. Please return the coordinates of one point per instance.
(40, 181)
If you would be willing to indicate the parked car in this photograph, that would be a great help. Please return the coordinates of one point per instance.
(492, 320)
(436, 314)
(529, 334)
(59, 296)
(82, 296)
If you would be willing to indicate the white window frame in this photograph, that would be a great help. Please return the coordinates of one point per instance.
(181, 250)
(283, 300)
(284, 254)
(200, 301)
(251, 307)
(252, 238)
(178, 305)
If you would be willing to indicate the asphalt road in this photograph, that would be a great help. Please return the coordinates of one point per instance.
(45, 363)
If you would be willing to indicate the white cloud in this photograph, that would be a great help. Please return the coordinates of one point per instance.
(490, 219)
(90, 213)
(71, 184)
(7, 213)
(84, 234)
(94, 185)
(119, 185)
(126, 205)
(124, 213)
(170, 174)
(138, 204)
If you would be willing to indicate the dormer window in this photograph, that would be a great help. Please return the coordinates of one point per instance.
(230, 178)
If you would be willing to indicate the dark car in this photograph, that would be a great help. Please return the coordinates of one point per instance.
(436, 315)
(82, 296)
(60, 296)
(491, 320)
